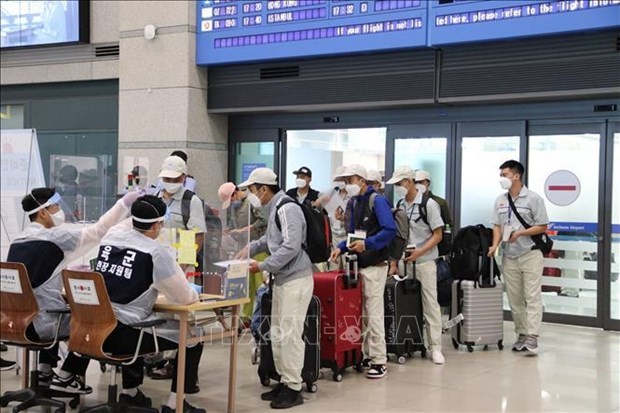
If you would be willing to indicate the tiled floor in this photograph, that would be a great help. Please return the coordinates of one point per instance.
(578, 370)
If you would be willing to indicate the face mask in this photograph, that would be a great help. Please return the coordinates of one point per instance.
(339, 184)
(172, 187)
(353, 189)
(420, 188)
(301, 183)
(58, 218)
(400, 191)
(505, 183)
(253, 200)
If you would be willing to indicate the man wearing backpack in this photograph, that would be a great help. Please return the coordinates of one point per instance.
(522, 262)
(424, 238)
(370, 220)
(292, 288)
(424, 178)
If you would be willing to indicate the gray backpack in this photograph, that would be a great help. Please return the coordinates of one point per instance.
(397, 246)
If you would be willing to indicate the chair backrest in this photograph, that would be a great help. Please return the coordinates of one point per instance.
(18, 304)
(92, 317)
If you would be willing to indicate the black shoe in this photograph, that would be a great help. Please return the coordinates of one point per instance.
(366, 363)
(271, 395)
(187, 408)
(45, 379)
(286, 399)
(139, 400)
(6, 364)
(3, 347)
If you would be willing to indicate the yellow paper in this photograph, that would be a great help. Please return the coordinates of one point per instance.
(186, 250)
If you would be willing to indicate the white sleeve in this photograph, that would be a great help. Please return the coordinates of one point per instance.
(196, 216)
(169, 279)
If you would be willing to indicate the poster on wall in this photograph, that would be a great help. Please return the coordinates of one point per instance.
(21, 170)
(247, 168)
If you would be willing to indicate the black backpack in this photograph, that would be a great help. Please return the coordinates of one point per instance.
(213, 236)
(318, 231)
(468, 259)
(445, 245)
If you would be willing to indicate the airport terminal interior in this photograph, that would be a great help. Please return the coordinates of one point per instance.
(96, 95)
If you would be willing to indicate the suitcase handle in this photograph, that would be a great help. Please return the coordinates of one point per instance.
(492, 282)
(351, 278)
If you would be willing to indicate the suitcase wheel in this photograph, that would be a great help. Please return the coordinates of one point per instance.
(470, 348)
(359, 368)
(500, 344)
(311, 387)
(337, 377)
(401, 360)
(455, 344)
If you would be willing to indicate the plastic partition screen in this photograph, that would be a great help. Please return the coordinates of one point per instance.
(234, 31)
(39, 23)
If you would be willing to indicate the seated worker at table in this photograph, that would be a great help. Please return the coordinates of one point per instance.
(147, 270)
(45, 247)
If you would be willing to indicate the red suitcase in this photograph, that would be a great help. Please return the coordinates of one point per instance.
(340, 294)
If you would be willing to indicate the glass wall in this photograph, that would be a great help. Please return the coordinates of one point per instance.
(481, 158)
(252, 155)
(324, 150)
(424, 153)
(615, 233)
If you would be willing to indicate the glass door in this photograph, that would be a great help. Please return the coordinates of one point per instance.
(565, 169)
(611, 287)
(253, 149)
(423, 146)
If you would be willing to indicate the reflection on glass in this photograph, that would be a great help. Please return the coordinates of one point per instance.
(570, 274)
(324, 150)
(11, 116)
(481, 159)
(428, 154)
(615, 232)
(252, 155)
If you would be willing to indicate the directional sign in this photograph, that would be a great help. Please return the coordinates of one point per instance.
(562, 188)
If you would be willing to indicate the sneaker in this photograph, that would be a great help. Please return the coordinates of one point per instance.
(45, 379)
(6, 364)
(531, 345)
(286, 399)
(518, 345)
(376, 371)
(273, 393)
(139, 400)
(366, 364)
(187, 408)
(437, 357)
(73, 385)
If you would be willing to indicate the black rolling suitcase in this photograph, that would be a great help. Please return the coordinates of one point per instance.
(312, 358)
(403, 317)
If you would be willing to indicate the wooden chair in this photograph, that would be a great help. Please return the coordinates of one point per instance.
(92, 322)
(18, 308)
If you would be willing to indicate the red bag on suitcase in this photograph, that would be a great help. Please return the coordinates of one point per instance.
(340, 294)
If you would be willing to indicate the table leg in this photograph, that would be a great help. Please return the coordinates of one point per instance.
(232, 372)
(26, 368)
(183, 326)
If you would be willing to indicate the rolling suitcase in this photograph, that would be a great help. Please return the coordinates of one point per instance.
(340, 293)
(480, 304)
(266, 368)
(404, 317)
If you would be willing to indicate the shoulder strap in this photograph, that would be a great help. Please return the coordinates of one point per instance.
(423, 211)
(514, 209)
(185, 206)
(284, 202)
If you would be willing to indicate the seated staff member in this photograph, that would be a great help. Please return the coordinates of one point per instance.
(45, 247)
(147, 270)
(425, 251)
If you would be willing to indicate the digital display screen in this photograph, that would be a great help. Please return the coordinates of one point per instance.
(241, 31)
(467, 21)
(43, 22)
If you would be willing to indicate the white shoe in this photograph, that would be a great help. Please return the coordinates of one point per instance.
(437, 357)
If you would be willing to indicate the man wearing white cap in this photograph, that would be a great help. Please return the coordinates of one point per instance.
(424, 252)
(175, 195)
(375, 180)
(424, 178)
(293, 285)
(370, 220)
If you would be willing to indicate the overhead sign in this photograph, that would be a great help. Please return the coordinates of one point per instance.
(562, 188)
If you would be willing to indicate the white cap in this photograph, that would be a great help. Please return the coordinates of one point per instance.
(353, 170)
(173, 167)
(402, 172)
(263, 176)
(374, 175)
(421, 175)
(225, 192)
(338, 172)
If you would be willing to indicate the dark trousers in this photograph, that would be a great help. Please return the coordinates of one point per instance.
(123, 340)
(73, 364)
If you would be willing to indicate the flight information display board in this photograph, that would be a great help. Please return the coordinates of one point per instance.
(230, 31)
(460, 21)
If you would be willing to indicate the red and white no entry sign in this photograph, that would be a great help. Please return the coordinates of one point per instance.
(562, 187)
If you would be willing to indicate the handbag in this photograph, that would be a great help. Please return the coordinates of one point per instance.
(542, 241)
